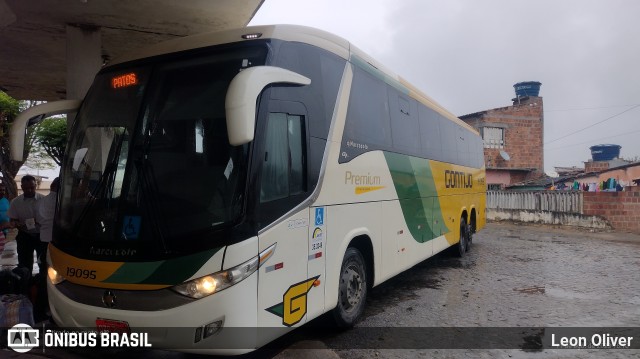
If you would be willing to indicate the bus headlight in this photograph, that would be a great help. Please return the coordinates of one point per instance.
(213, 283)
(54, 277)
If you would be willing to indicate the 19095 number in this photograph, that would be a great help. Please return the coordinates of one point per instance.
(81, 273)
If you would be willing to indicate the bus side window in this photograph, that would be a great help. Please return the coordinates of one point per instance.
(284, 167)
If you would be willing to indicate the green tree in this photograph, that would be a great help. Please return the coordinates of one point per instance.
(9, 109)
(51, 135)
(39, 159)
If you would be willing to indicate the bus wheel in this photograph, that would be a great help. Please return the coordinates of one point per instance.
(461, 248)
(352, 289)
(469, 236)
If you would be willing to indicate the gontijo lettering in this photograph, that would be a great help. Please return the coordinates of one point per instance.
(457, 179)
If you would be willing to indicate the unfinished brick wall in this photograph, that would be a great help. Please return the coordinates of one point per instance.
(595, 166)
(621, 209)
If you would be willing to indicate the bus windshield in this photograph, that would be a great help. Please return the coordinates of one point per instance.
(149, 158)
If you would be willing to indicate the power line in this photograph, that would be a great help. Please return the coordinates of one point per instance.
(597, 123)
(588, 108)
(592, 141)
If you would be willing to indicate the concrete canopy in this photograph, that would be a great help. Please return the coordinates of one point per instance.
(34, 34)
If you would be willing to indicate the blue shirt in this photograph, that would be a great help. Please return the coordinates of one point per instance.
(4, 207)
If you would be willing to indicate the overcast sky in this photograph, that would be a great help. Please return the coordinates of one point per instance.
(468, 54)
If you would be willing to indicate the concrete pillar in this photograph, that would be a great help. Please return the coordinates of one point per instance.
(84, 59)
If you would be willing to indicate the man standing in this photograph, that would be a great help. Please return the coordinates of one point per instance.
(45, 209)
(22, 212)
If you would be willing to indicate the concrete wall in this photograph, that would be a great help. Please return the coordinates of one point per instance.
(617, 210)
(547, 217)
(552, 201)
(498, 177)
(626, 174)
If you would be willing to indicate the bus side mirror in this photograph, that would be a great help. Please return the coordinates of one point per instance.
(240, 102)
(31, 116)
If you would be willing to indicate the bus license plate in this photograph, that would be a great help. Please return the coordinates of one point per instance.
(112, 326)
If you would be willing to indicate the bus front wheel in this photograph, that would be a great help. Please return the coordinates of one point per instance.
(352, 289)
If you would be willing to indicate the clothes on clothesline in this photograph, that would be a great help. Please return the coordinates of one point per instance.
(610, 185)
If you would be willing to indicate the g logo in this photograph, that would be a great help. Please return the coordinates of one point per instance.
(294, 303)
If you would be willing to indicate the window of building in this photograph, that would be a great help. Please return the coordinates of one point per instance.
(493, 137)
(494, 187)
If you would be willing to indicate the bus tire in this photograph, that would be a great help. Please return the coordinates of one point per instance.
(461, 247)
(469, 236)
(352, 289)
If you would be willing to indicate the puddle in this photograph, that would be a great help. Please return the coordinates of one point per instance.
(556, 292)
(568, 294)
(524, 260)
(444, 261)
(531, 290)
(403, 287)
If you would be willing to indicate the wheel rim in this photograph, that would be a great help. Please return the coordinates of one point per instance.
(352, 287)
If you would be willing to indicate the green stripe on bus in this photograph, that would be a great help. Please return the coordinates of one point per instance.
(130, 273)
(417, 194)
(169, 272)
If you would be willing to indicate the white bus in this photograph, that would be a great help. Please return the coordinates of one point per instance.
(254, 178)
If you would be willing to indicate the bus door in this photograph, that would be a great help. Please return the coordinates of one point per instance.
(284, 282)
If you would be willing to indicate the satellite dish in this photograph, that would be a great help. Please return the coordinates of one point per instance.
(505, 155)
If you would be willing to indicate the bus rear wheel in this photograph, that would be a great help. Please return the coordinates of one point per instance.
(352, 289)
(461, 247)
(470, 230)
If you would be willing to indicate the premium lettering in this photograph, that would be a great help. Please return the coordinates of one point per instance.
(359, 180)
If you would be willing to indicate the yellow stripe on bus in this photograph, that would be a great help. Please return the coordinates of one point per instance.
(91, 273)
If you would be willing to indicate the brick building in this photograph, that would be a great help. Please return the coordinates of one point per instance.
(513, 139)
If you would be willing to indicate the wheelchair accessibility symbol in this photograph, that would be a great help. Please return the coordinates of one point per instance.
(319, 216)
(131, 227)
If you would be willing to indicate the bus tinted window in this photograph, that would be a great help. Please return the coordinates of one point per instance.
(404, 122)
(368, 114)
(283, 171)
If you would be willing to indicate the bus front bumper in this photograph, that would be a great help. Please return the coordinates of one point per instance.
(222, 323)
